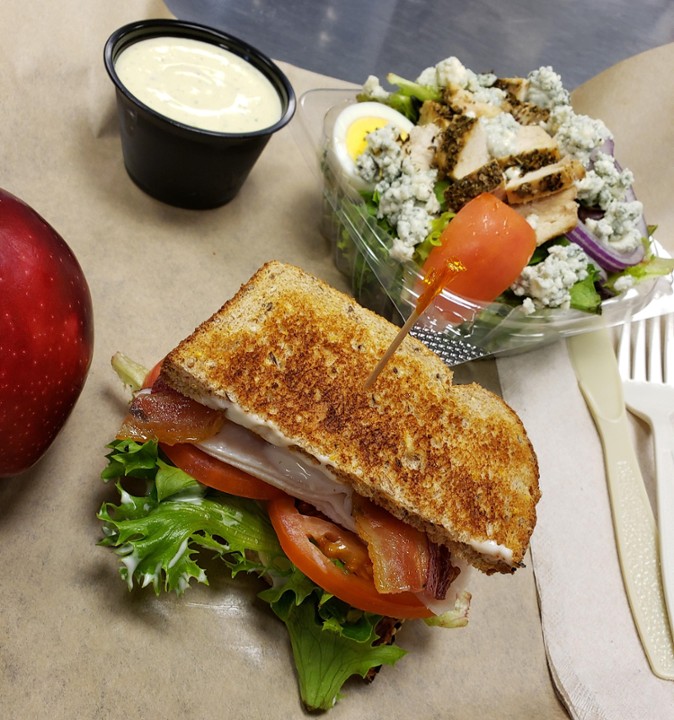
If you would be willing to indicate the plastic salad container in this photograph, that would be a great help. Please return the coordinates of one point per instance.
(360, 252)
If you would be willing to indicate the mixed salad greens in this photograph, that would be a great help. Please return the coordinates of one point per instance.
(605, 250)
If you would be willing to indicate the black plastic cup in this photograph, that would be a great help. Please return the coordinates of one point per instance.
(176, 163)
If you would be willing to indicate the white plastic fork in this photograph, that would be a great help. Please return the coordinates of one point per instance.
(646, 364)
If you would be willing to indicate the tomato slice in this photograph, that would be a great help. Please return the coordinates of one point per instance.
(493, 243)
(314, 544)
(399, 553)
(152, 375)
(216, 474)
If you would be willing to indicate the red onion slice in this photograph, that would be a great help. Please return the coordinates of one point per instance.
(607, 258)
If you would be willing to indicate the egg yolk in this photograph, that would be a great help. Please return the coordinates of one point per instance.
(356, 135)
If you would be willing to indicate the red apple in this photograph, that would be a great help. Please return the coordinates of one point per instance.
(46, 334)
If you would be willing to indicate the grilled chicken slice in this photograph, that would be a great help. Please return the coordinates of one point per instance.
(551, 216)
(488, 178)
(434, 112)
(525, 112)
(462, 148)
(463, 102)
(544, 181)
(515, 87)
(533, 148)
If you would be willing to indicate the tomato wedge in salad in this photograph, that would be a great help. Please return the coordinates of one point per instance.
(337, 560)
(492, 242)
(216, 474)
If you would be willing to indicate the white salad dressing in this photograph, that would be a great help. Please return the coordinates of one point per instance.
(199, 84)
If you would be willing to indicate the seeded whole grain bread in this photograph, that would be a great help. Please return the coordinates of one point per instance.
(452, 460)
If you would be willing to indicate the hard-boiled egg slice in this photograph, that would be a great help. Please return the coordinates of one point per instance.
(350, 131)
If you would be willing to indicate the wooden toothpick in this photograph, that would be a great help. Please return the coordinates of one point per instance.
(435, 281)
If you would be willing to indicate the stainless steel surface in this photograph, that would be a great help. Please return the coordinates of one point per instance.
(351, 39)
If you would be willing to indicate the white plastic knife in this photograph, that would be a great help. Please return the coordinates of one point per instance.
(595, 365)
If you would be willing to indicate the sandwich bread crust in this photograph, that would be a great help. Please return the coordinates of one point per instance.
(452, 460)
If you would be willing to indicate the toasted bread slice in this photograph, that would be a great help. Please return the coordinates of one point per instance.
(294, 353)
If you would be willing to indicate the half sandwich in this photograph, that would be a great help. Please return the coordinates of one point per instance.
(274, 383)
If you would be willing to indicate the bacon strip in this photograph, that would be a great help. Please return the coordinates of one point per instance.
(399, 552)
(165, 415)
(441, 572)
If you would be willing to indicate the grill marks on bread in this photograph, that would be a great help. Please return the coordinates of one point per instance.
(453, 461)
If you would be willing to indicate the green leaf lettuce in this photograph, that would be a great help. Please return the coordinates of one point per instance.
(159, 531)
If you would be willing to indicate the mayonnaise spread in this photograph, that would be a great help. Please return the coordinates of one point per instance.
(199, 84)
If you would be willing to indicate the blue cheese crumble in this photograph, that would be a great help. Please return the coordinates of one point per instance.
(604, 182)
(545, 89)
(619, 228)
(549, 282)
(382, 160)
(578, 135)
(372, 87)
(501, 132)
(451, 72)
(606, 186)
(405, 183)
